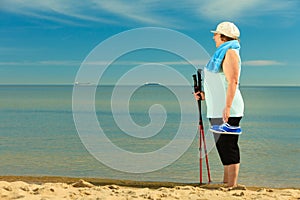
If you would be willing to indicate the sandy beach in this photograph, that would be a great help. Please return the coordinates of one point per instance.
(43, 188)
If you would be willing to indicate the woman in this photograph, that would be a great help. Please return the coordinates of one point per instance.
(226, 62)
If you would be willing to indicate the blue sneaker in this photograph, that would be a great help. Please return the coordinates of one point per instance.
(226, 129)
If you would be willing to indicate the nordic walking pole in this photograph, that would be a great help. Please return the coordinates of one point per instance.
(201, 125)
(198, 88)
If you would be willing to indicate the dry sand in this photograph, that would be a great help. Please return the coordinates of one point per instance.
(43, 188)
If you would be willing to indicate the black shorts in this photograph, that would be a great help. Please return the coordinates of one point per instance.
(227, 145)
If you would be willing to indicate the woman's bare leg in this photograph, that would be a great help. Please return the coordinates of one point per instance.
(225, 176)
(233, 172)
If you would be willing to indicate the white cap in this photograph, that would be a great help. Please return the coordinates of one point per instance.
(228, 29)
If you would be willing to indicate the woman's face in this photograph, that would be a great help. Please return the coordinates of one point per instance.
(217, 39)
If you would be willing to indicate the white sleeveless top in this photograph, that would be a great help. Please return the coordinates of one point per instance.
(216, 111)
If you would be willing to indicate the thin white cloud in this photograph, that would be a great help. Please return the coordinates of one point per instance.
(137, 63)
(134, 10)
(104, 11)
(55, 10)
(97, 63)
(168, 13)
(263, 63)
(229, 9)
(42, 63)
(238, 10)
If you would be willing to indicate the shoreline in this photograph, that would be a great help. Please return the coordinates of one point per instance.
(57, 187)
(94, 181)
(127, 183)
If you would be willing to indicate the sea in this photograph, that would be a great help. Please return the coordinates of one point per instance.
(39, 136)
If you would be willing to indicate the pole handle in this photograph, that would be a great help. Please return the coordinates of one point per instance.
(196, 88)
(199, 74)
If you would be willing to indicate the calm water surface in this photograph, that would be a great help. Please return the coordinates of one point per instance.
(38, 135)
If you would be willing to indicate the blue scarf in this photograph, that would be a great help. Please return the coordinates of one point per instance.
(214, 64)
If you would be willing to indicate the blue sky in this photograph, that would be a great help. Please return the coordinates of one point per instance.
(44, 42)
